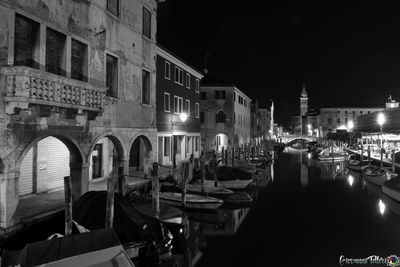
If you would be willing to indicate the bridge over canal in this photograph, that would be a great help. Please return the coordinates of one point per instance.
(290, 138)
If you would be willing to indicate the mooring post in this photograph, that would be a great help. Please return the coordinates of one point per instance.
(226, 157)
(155, 189)
(68, 205)
(393, 160)
(203, 171)
(381, 157)
(185, 169)
(369, 155)
(215, 169)
(110, 203)
(233, 156)
(121, 181)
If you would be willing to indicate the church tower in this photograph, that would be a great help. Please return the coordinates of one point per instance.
(303, 101)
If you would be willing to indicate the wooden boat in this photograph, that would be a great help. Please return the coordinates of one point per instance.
(229, 184)
(392, 188)
(213, 191)
(375, 174)
(356, 165)
(192, 201)
(239, 197)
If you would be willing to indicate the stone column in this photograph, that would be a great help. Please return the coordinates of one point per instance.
(79, 173)
(8, 200)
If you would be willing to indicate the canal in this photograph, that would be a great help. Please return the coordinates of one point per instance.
(309, 214)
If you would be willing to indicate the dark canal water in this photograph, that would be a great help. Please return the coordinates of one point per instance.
(309, 214)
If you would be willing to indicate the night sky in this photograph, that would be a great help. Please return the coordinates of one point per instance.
(347, 52)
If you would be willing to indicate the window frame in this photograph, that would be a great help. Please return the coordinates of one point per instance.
(65, 67)
(180, 105)
(169, 102)
(169, 70)
(187, 107)
(196, 110)
(187, 81)
(105, 69)
(142, 91)
(143, 28)
(118, 9)
(86, 61)
(179, 72)
(197, 85)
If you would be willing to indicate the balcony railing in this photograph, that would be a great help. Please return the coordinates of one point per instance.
(30, 86)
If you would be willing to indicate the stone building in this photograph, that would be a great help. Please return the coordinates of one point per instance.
(178, 92)
(260, 123)
(77, 82)
(224, 116)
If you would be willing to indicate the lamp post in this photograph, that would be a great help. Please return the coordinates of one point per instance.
(309, 129)
(350, 126)
(381, 120)
(183, 118)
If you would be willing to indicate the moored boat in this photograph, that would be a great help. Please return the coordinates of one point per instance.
(192, 201)
(213, 191)
(375, 174)
(392, 188)
(230, 184)
(326, 155)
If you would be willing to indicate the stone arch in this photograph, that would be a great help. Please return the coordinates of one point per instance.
(220, 140)
(42, 180)
(139, 154)
(106, 158)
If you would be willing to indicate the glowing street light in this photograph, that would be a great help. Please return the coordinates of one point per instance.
(183, 117)
(309, 129)
(381, 120)
(350, 126)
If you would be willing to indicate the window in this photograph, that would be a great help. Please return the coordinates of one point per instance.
(178, 76)
(197, 85)
(345, 120)
(354, 112)
(196, 144)
(113, 7)
(26, 42)
(188, 80)
(245, 103)
(361, 112)
(167, 103)
(203, 95)
(220, 94)
(167, 69)
(369, 111)
(146, 23)
(196, 110)
(338, 111)
(202, 117)
(79, 60)
(178, 105)
(240, 100)
(187, 106)
(329, 121)
(112, 75)
(167, 146)
(220, 117)
(338, 120)
(55, 52)
(145, 87)
(345, 112)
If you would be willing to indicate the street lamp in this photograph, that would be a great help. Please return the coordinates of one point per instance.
(350, 126)
(309, 129)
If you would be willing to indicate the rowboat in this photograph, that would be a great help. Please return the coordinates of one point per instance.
(213, 191)
(355, 165)
(192, 201)
(326, 155)
(229, 184)
(375, 174)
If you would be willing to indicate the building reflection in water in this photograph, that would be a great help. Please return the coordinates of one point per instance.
(233, 220)
(303, 170)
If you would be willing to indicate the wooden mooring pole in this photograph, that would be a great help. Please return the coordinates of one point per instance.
(203, 171)
(233, 157)
(185, 170)
(68, 205)
(155, 189)
(110, 203)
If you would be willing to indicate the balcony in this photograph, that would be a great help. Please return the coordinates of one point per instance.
(30, 86)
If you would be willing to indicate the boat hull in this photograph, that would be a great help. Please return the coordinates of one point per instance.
(375, 178)
(192, 201)
(218, 192)
(392, 188)
(330, 158)
(230, 184)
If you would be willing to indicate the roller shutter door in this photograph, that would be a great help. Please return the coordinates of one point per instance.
(56, 156)
(25, 184)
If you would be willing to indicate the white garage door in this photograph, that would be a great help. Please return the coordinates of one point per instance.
(26, 174)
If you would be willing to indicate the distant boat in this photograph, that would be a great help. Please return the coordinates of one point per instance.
(375, 174)
(355, 165)
(392, 188)
(213, 191)
(230, 178)
(192, 201)
(326, 155)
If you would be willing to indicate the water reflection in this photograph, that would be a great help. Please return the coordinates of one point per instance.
(382, 207)
(233, 220)
(350, 180)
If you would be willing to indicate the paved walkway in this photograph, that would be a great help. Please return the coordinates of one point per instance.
(35, 207)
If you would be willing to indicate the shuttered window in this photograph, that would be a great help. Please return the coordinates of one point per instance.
(26, 46)
(79, 55)
(146, 23)
(145, 87)
(112, 75)
(55, 52)
(113, 7)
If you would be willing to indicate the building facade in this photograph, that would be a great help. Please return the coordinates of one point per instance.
(224, 116)
(260, 123)
(77, 82)
(178, 92)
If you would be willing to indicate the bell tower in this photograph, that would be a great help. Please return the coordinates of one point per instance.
(303, 101)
